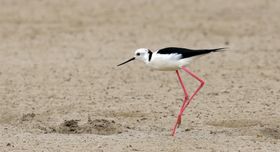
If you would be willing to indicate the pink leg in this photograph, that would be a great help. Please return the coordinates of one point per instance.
(186, 101)
(178, 122)
(202, 82)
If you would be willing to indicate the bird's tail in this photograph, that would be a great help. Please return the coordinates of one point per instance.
(217, 49)
(205, 51)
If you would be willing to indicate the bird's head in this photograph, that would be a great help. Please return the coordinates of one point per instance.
(141, 54)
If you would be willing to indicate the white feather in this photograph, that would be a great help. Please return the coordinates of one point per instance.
(167, 62)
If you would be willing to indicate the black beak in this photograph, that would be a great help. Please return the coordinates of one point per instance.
(127, 61)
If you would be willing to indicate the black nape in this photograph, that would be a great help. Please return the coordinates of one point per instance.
(150, 54)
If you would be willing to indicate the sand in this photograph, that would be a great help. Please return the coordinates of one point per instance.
(60, 89)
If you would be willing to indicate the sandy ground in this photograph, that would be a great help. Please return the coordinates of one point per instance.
(60, 89)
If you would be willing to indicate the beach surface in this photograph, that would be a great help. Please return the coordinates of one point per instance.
(60, 88)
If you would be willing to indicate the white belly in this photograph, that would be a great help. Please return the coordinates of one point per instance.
(167, 63)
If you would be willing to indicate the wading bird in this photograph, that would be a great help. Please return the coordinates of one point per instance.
(173, 59)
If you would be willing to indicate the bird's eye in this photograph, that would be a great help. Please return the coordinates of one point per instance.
(137, 54)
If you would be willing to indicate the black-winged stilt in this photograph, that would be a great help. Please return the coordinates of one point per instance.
(173, 59)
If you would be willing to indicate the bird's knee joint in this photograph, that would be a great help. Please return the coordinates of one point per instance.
(202, 83)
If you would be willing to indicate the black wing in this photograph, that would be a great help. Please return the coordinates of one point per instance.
(186, 53)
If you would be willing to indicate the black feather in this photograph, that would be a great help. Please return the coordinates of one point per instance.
(150, 55)
(186, 53)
